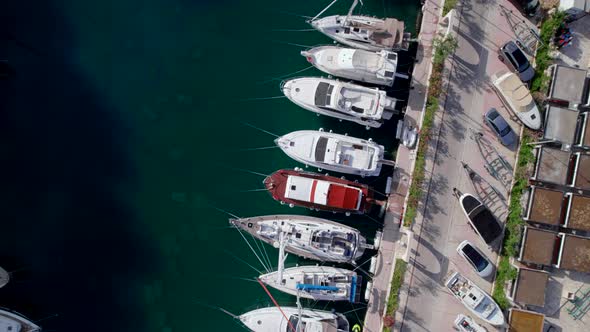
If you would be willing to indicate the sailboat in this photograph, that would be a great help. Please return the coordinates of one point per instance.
(307, 237)
(319, 283)
(14, 322)
(363, 32)
(334, 152)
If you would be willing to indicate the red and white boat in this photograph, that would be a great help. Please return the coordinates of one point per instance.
(318, 191)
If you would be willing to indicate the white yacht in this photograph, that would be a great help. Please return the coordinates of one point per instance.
(364, 32)
(518, 98)
(308, 237)
(476, 300)
(359, 65)
(342, 100)
(13, 322)
(302, 320)
(334, 152)
(319, 283)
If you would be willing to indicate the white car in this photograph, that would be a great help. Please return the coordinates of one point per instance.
(475, 258)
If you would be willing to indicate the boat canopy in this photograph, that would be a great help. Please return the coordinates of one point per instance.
(389, 32)
(518, 93)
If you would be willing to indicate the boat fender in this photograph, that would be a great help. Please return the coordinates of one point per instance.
(282, 203)
(291, 205)
(321, 129)
(370, 140)
(347, 214)
(276, 244)
(331, 131)
(320, 170)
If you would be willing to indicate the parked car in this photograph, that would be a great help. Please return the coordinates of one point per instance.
(475, 258)
(500, 127)
(480, 218)
(530, 7)
(518, 61)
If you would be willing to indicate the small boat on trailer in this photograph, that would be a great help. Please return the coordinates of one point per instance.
(363, 32)
(342, 100)
(319, 283)
(334, 152)
(480, 218)
(359, 65)
(476, 300)
(271, 319)
(15, 322)
(308, 237)
(319, 192)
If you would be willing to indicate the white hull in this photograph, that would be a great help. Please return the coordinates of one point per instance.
(346, 101)
(272, 320)
(308, 237)
(359, 65)
(518, 98)
(476, 300)
(335, 27)
(333, 152)
(344, 283)
(11, 321)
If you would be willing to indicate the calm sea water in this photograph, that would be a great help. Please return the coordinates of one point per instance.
(122, 129)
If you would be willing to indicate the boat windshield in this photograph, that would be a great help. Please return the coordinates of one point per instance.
(323, 94)
(320, 149)
(293, 322)
(476, 259)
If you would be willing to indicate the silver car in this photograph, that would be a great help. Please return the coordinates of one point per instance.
(500, 127)
(517, 61)
(475, 258)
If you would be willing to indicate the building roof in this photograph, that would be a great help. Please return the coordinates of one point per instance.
(552, 166)
(560, 124)
(525, 321)
(579, 213)
(575, 254)
(545, 206)
(537, 246)
(567, 84)
(582, 177)
(530, 287)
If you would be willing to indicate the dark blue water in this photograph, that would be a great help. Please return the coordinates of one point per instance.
(121, 128)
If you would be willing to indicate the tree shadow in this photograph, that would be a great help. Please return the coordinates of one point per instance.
(68, 180)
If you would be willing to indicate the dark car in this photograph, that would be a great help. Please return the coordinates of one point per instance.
(500, 127)
(517, 61)
(475, 258)
(530, 7)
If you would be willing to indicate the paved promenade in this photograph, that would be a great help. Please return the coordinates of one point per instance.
(404, 165)
(425, 304)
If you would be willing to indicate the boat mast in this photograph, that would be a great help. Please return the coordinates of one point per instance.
(275, 303)
(299, 312)
(282, 256)
(350, 11)
(320, 13)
